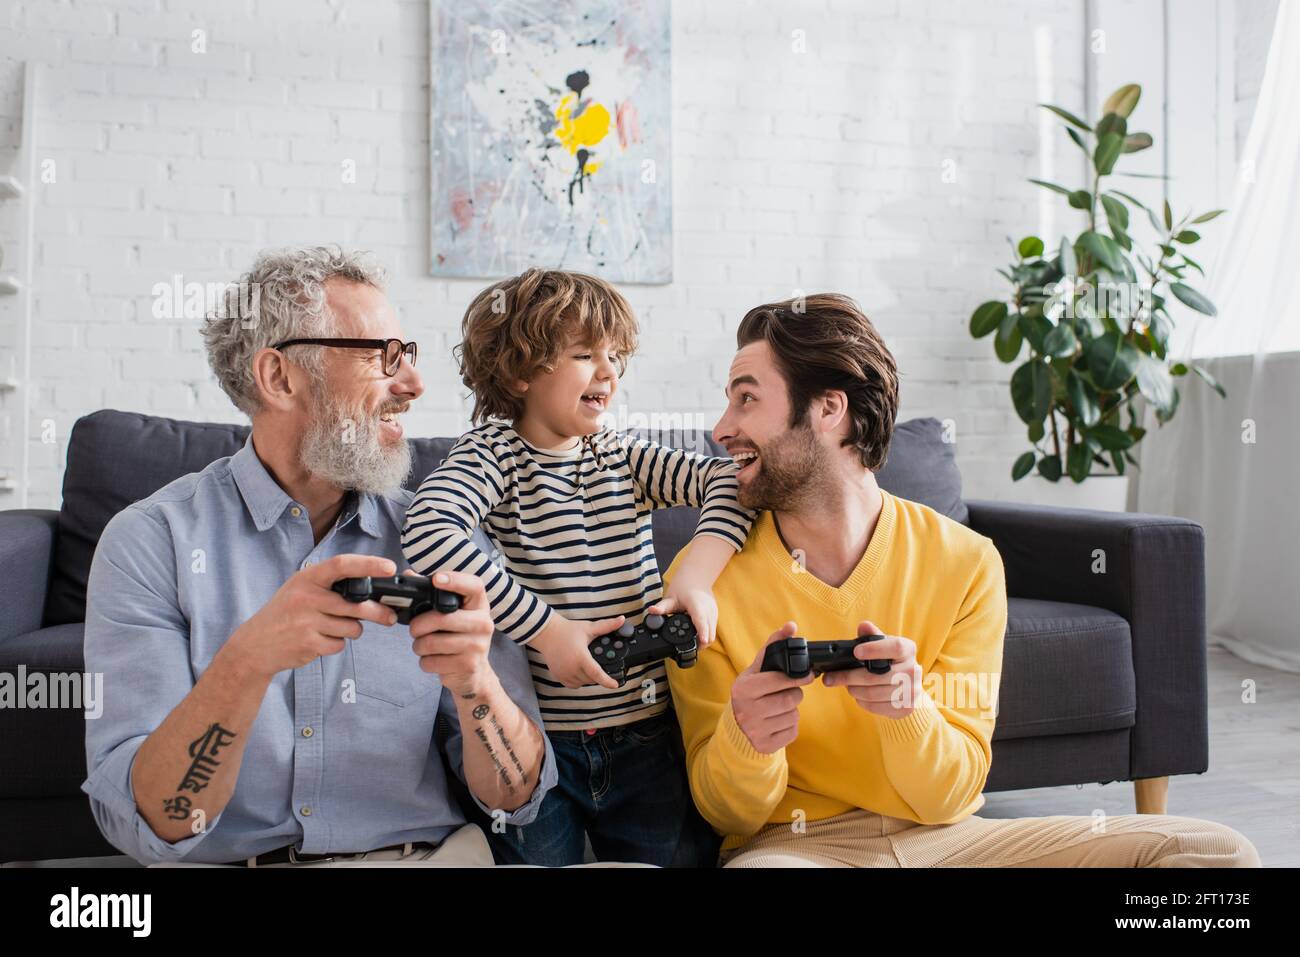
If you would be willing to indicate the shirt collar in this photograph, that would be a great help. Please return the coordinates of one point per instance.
(263, 497)
(266, 500)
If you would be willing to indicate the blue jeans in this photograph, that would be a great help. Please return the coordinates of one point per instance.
(625, 788)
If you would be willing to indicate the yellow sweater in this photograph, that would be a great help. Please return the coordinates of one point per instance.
(923, 576)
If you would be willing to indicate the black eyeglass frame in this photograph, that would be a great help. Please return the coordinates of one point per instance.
(408, 349)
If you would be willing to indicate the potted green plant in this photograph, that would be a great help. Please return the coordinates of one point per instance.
(1093, 314)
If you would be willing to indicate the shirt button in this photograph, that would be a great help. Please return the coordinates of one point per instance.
(306, 812)
(295, 511)
(307, 732)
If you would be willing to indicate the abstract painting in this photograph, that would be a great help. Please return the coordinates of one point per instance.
(550, 138)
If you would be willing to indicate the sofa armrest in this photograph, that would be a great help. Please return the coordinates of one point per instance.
(27, 538)
(1148, 568)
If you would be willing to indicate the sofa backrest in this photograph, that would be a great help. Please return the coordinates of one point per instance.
(116, 458)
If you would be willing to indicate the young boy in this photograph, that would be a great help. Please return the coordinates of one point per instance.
(567, 506)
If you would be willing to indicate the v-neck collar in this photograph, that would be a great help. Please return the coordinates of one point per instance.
(859, 580)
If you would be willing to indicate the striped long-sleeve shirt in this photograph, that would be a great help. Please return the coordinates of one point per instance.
(573, 533)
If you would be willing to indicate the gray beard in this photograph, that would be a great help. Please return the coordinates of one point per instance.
(343, 447)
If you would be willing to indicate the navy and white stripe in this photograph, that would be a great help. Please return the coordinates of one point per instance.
(573, 533)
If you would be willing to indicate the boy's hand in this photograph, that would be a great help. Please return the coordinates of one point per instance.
(563, 644)
(699, 603)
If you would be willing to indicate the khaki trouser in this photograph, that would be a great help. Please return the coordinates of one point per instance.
(466, 847)
(866, 839)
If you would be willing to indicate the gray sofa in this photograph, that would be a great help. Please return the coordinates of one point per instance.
(1104, 675)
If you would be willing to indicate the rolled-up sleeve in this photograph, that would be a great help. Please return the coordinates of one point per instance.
(137, 638)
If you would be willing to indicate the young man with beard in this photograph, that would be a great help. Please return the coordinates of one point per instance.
(246, 667)
(855, 769)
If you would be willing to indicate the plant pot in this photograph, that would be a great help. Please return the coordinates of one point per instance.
(1107, 493)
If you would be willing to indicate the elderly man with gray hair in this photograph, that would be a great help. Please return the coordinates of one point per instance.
(253, 715)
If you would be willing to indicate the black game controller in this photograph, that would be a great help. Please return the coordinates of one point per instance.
(797, 657)
(408, 595)
(654, 639)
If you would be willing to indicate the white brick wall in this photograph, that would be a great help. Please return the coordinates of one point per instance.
(814, 171)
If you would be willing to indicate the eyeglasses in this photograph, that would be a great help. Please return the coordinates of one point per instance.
(392, 349)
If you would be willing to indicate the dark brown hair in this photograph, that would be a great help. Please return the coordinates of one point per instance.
(825, 342)
(517, 328)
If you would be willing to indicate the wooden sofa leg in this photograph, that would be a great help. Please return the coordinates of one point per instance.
(1152, 795)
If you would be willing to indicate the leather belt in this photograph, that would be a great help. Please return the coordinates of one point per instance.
(290, 855)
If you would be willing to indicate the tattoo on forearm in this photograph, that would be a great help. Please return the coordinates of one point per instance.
(501, 769)
(178, 808)
(509, 748)
(204, 750)
(468, 696)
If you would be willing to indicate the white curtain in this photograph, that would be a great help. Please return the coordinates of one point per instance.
(1234, 464)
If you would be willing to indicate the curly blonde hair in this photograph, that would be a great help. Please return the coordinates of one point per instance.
(516, 329)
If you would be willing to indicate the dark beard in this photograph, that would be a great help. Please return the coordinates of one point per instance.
(790, 469)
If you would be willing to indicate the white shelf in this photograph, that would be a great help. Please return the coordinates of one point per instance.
(9, 286)
(10, 187)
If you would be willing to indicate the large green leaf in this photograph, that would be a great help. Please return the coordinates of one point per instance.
(1190, 297)
(1067, 116)
(1059, 342)
(1187, 237)
(1079, 459)
(1206, 217)
(1049, 467)
(986, 318)
(1023, 466)
(1035, 326)
(1007, 342)
(1031, 391)
(1081, 199)
(1111, 359)
(1116, 214)
(1108, 149)
(1123, 100)
(1155, 383)
(1112, 123)
(1100, 249)
(1110, 438)
(1084, 399)
(1074, 135)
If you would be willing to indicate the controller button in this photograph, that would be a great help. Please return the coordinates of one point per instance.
(626, 630)
(610, 656)
(618, 644)
(654, 622)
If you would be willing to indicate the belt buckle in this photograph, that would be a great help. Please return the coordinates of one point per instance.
(295, 859)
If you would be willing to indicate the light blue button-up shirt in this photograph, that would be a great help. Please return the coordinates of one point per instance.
(346, 753)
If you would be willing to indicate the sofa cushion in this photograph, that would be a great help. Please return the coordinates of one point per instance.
(42, 750)
(114, 459)
(1066, 669)
(922, 467)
